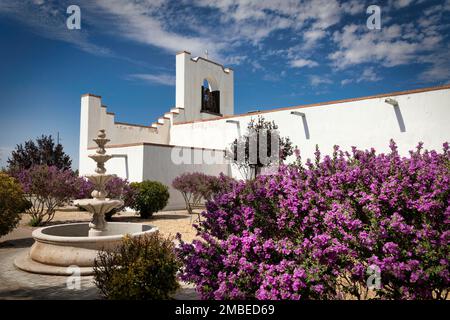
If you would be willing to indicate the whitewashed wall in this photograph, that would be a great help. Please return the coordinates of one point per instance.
(94, 117)
(127, 163)
(160, 166)
(365, 123)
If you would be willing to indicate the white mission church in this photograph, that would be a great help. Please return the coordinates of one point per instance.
(193, 135)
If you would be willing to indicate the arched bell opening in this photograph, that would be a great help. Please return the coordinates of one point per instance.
(210, 97)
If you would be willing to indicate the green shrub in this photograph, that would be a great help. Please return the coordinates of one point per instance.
(150, 197)
(12, 203)
(141, 268)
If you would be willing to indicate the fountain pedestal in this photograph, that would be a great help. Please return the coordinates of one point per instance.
(98, 225)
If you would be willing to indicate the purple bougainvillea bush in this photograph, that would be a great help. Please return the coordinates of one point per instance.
(46, 188)
(316, 231)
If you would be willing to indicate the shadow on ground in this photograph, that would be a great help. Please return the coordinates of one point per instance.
(17, 243)
(50, 293)
(162, 216)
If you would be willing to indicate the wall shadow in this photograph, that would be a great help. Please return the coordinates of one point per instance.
(125, 157)
(399, 116)
(305, 127)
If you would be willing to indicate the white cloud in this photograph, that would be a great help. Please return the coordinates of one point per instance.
(358, 45)
(398, 4)
(354, 7)
(310, 28)
(301, 63)
(237, 59)
(311, 37)
(368, 75)
(138, 21)
(237, 23)
(398, 44)
(316, 80)
(164, 79)
(437, 72)
(346, 81)
(439, 66)
(274, 77)
(255, 20)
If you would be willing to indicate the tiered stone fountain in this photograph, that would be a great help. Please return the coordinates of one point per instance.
(77, 244)
(99, 205)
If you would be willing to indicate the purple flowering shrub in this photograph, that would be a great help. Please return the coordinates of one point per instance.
(46, 188)
(312, 231)
(84, 188)
(217, 185)
(190, 186)
(196, 187)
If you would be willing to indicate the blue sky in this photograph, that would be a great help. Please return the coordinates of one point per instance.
(283, 53)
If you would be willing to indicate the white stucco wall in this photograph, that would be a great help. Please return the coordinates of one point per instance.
(364, 123)
(159, 166)
(190, 74)
(94, 117)
(127, 163)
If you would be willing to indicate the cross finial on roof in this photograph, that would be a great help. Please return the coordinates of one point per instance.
(206, 54)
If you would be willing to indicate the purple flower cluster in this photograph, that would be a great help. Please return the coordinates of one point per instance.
(84, 188)
(312, 231)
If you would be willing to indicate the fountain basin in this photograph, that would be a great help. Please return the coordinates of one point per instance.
(58, 247)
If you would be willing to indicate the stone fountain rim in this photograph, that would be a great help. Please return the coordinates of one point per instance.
(90, 201)
(40, 236)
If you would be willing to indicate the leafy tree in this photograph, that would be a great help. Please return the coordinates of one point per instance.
(42, 152)
(253, 151)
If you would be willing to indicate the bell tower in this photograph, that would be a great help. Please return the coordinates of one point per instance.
(204, 88)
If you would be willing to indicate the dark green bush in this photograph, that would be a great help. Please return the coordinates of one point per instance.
(12, 203)
(142, 268)
(150, 197)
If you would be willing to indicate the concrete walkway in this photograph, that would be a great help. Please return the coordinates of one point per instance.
(17, 284)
